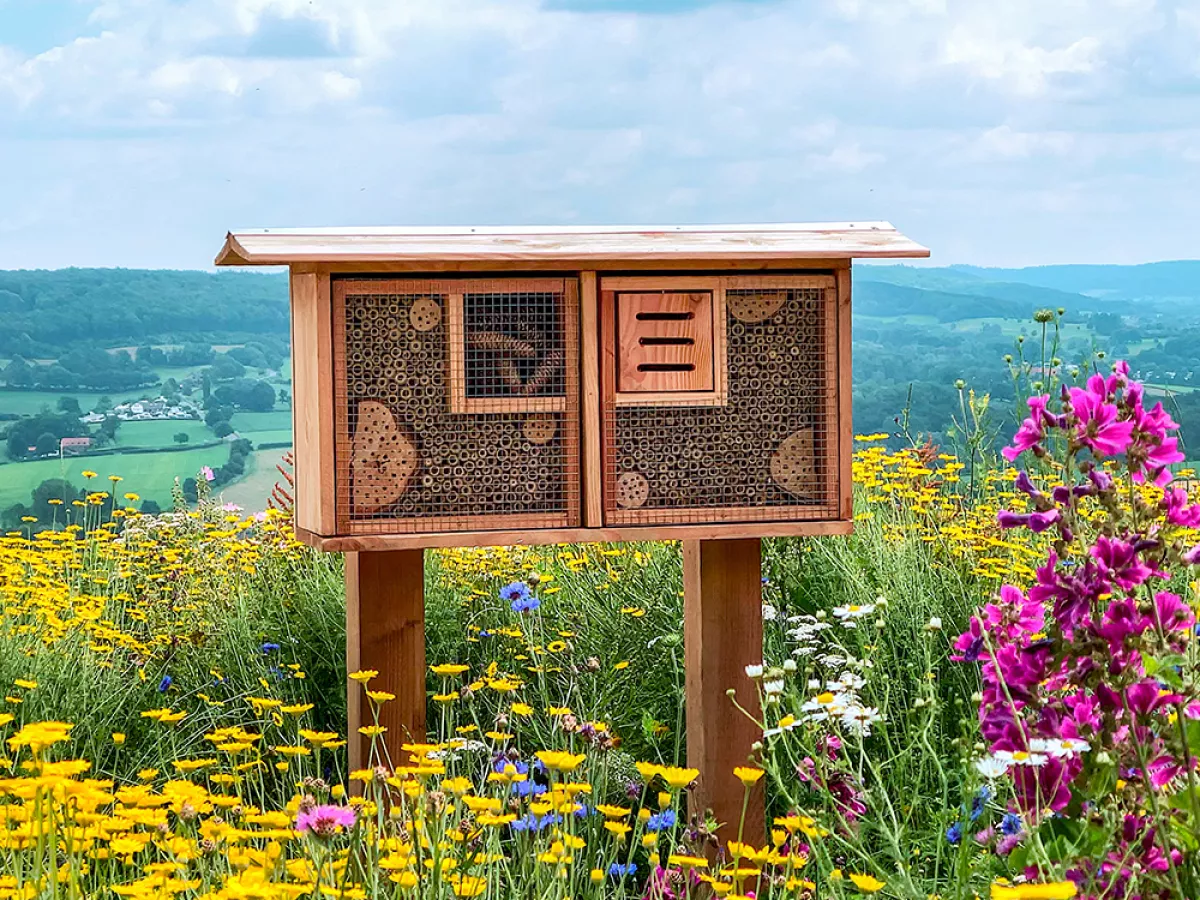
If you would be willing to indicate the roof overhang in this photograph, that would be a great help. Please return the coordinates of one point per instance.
(576, 244)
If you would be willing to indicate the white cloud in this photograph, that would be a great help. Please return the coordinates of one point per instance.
(1026, 68)
(176, 119)
(1002, 142)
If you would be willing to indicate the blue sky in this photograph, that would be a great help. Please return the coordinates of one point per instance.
(1003, 132)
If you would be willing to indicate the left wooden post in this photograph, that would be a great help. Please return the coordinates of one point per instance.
(385, 631)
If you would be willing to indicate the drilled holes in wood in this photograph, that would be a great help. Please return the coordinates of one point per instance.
(794, 465)
(383, 460)
(540, 429)
(632, 490)
(425, 314)
(754, 306)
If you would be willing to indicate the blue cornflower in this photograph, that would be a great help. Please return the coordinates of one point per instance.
(530, 822)
(980, 801)
(621, 870)
(520, 598)
(661, 821)
(1010, 824)
(515, 590)
(268, 647)
(164, 684)
(528, 788)
(954, 833)
(503, 762)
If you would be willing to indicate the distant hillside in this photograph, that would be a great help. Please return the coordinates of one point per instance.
(946, 293)
(1155, 281)
(46, 311)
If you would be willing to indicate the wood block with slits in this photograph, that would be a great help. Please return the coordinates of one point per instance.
(665, 342)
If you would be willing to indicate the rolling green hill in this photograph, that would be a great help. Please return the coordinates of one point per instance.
(1178, 279)
(45, 312)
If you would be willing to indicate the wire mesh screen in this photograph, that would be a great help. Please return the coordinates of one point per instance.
(514, 345)
(457, 404)
(767, 452)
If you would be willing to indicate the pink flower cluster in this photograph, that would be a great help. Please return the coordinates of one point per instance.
(1109, 418)
(831, 776)
(324, 820)
(1081, 674)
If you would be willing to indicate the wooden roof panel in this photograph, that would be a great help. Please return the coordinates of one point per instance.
(836, 240)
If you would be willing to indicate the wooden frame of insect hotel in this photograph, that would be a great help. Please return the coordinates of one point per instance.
(493, 386)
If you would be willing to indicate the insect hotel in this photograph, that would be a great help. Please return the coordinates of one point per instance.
(493, 386)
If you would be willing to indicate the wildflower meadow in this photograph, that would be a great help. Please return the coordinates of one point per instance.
(988, 691)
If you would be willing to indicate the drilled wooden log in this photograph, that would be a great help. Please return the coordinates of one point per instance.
(495, 341)
(383, 458)
(545, 372)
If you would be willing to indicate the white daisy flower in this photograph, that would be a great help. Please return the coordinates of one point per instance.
(1021, 758)
(847, 614)
(991, 768)
(1059, 747)
(859, 719)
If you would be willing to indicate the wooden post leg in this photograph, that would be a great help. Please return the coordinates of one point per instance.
(385, 630)
(722, 587)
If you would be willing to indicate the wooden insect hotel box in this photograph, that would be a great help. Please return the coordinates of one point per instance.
(487, 386)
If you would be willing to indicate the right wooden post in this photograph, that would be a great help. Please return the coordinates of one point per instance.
(722, 587)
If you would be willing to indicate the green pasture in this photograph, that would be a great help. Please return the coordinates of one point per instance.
(149, 475)
(251, 491)
(264, 427)
(1158, 390)
(29, 403)
(161, 433)
(1016, 327)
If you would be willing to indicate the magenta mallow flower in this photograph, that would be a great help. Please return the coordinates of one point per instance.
(1098, 427)
(1153, 450)
(1071, 596)
(1037, 522)
(1175, 501)
(1032, 429)
(1121, 563)
(1147, 697)
(1012, 617)
(324, 821)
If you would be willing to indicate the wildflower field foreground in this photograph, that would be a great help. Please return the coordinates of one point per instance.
(987, 691)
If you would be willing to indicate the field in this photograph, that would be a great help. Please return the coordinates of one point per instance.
(150, 475)
(162, 433)
(176, 710)
(27, 403)
(252, 489)
(264, 427)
